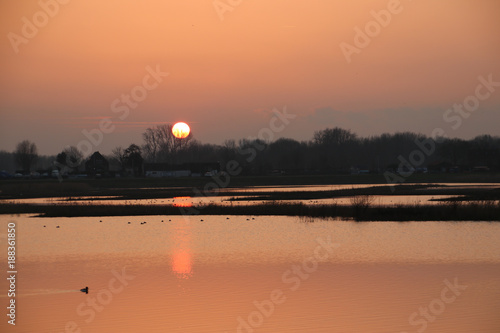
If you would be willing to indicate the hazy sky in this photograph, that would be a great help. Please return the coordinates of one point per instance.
(230, 65)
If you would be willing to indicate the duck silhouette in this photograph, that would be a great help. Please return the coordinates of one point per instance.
(85, 290)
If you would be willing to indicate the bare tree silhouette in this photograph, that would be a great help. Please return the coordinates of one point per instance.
(26, 154)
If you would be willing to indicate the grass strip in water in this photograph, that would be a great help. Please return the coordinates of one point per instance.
(358, 211)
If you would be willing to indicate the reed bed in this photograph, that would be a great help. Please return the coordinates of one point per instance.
(360, 210)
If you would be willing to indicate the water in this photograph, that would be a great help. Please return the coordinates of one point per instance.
(250, 191)
(253, 274)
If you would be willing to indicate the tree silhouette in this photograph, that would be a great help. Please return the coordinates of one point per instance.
(118, 154)
(160, 144)
(69, 159)
(26, 154)
(132, 158)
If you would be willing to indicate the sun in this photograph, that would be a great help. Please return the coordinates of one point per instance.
(181, 130)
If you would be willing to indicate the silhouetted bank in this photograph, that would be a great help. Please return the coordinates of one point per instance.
(360, 211)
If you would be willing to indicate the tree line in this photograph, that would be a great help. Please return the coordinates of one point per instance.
(332, 150)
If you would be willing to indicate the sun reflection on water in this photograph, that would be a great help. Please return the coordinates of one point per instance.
(182, 202)
(182, 261)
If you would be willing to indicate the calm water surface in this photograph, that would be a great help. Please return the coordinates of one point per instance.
(253, 274)
(226, 200)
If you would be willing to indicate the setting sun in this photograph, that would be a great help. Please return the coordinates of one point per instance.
(354, 142)
(181, 130)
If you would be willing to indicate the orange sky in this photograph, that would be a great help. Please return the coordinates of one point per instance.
(225, 75)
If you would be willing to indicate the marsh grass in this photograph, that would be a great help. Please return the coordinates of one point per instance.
(360, 205)
(360, 210)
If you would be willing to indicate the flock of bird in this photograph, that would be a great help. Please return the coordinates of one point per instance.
(144, 222)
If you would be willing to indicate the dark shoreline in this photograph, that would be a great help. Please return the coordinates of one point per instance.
(449, 211)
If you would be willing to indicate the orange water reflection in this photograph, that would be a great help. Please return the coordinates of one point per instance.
(182, 202)
(380, 275)
(182, 262)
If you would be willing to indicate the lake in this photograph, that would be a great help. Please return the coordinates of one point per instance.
(252, 274)
(249, 192)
